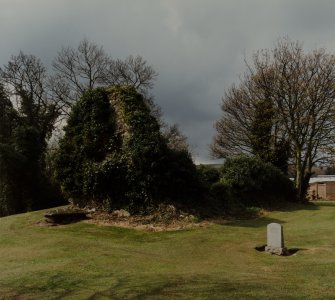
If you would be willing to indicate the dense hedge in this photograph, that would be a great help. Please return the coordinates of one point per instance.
(256, 183)
(114, 155)
(24, 185)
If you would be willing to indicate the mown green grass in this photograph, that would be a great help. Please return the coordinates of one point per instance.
(85, 261)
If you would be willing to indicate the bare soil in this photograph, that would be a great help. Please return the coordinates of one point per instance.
(151, 222)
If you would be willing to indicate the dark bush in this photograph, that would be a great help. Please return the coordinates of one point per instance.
(179, 182)
(220, 191)
(208, 175)
(255, 183)
(83, 159)
(12, 196)
(114, 155)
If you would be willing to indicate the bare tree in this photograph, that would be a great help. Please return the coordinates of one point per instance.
(7, 117)
(302, 88)
(78, 70)
(133, 71)
(241, 107)
(25, 81)
(234, 134)
(88, 66)
(176, 139)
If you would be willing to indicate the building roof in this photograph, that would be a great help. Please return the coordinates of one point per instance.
(322, 178)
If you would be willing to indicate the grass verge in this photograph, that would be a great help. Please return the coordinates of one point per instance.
(88, 261)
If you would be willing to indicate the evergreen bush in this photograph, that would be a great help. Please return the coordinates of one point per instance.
(113, 154)
(254, 182)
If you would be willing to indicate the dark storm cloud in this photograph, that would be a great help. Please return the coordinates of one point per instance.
(198, 47)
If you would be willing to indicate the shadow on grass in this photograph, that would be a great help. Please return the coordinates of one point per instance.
(61, 285)
(324, 203)
(290, 251)
(65, 217)
(290, 207)
(194, 287)
(254, 223)
(286, 207)
(169, 288)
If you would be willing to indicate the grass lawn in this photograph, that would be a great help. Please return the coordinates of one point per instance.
(86, 261)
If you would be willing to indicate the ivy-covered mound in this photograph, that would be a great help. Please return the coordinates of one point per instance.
(113, 155)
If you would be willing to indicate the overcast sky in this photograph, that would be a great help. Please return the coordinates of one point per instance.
(197, 46)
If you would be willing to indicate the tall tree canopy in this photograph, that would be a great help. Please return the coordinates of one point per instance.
(300, 87)
(31, 103)
(88, 66)
(9, 158)
(77, 70)
(24, 82)
(8, 116)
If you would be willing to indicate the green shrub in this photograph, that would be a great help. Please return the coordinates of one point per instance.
(208, 175)
(255, 183)
(90, 136)
(179, 180)
(114, 155)
(12, 191)
(220, 191)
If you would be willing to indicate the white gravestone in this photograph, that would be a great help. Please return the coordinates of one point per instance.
(275, 239)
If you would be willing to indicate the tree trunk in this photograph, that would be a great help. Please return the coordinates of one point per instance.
(302, 182)
(299, 176)
(305, 186)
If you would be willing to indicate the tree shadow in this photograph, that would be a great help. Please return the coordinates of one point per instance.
(324, 203)
(254, 223)
(186, 287)
(291, 207)
(170, 288)
(60, 284)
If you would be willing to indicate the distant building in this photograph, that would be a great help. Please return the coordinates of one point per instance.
(322, 187)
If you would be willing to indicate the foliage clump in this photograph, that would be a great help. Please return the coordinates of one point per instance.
(253, 182)
(208, 175)
(23, 184)
(113, 154)
(282, 111)
(244, 185)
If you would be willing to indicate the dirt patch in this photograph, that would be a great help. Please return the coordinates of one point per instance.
(164, 218)
(157, 221)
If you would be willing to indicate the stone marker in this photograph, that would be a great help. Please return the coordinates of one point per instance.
(275, 239)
